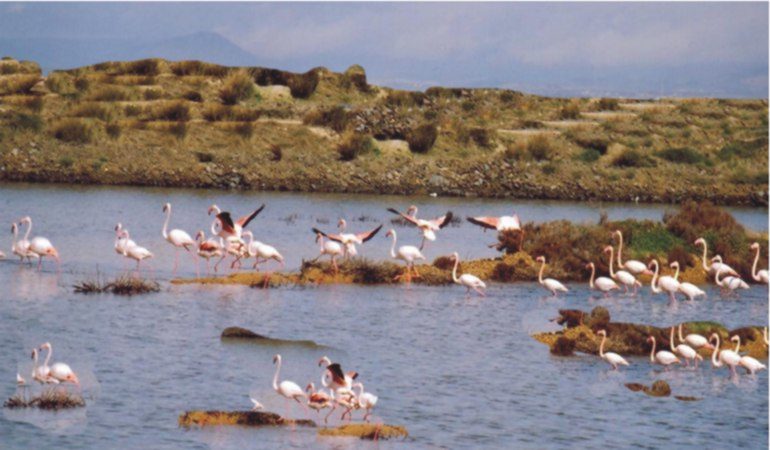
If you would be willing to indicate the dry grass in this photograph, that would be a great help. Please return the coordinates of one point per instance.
(50, 399)
(18, 84)
(240, 418)
(73, 130)
(365, 431)
(119, 286)
(238, 86)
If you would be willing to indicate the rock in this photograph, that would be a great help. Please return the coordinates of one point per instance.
(659, 389)
(687, 398)
(238, 333)
(437, 180)
(242, 418)
(366, 431)
(636, 387)
(599, 318)
(241, 333)
(563, 347)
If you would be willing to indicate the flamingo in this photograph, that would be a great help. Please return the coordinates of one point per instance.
(553, 286)
(406, 253)
(42, 373)
(317, 400)
(342, 397)
(287, 389)
(762, 275)
(20, 381)
(625, 278)
(121, 243)
(176, 237)
(40, 246)
(685, 351)
(633, 266)
(331, 248)
(688, 289)
(714, 267)
(663, 357)
(135, 252)
(501, 224)
(366, 400)
(428, 228)
(228, 228)
(603, 284)
(726, 357)
(208, 248)
(258, 250)
(20, 247)
(349, 240)
(337, 378)
(664, 283)
(59, 371)
(730, 283)
(612, 359)
(695, 341)
(751, 365)
(467, 280)
(256, 405)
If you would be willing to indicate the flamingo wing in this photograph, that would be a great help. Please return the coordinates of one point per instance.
(335, 370)
(365, 236)
(486, 222)
(409, 219)
(442, 221)
(228, 226)
(244, 221)
(333, 237)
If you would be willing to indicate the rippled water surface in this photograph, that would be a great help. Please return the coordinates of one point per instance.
(458, 372)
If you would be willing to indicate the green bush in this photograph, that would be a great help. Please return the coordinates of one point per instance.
(632, 158)
(356, 75)
(193, 96)
(238, 86)
(681, 155)
(153, 94)
(483, 137)
(550, 168)
(589, 155)
(113, 130)
(60, 83)
(18, 84)
(146, 67)
(422, 138)
(353, 145)
(73, 130)
(592, 141)
(743, 149)
(109, 94)
(217, 113)
(82, 84)
(183, 68)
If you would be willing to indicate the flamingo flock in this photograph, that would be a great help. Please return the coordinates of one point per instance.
(47, 373)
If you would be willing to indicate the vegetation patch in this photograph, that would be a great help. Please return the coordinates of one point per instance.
(119, 286)
(365, 431)
(18, 84)
(353, 145)
(238, 86)
(73, 130)
(241, 418)
(681, 155)
(422, 138)
(632, 158)
(49, 399)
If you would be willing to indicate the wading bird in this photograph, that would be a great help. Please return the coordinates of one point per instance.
(762, 275)
(695, 341)
(633, 266)
(685, 351)
(208, 248)
(727, 357)
(467, 280)
(333, 377)
(349, 240)
(688, 289)
(665, 283)
(714, 267)
(120, 242)
(176, 237)
(365, 400)
(612, 359)
(751, 365)
(663, 357)
(625, 278)
(39, 246)
(59, 371)
(602, 284)
(225, 227)
(428, 228)
(41, 373)
(261, 250)
(728, 283)
(317, 400)
(135, 252)
(407, 253)
(287, 389)
(256, 405)
(551, 285)
(501, 224)
(329, 247)
(20, 247)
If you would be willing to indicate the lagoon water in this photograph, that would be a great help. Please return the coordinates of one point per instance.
(459, 372)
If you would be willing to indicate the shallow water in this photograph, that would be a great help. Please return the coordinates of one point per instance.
(458, 372)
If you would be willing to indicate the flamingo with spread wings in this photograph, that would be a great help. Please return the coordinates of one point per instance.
(349, 240)
(225, 227)
(428, 228)
(502, 224)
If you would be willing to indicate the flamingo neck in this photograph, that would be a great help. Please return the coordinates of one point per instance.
(540, 275)
(275, 377)
(360, 387)
(393, 246)
(593, 273)
(48, 356)
(671, 340)
(754, 267)
(601, 346)
(737, 345)
(705, 251)
(714, 354)
(652, 352)
(214, 223)
(165, 224)
(716, 276)
(29, 229)
(16, 234)
(680, 333)
(454, 270)
(653, 284)
(612, 272)
(620, 249)
(676, 275)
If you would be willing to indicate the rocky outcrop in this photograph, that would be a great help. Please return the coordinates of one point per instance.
(242, 418)
(246, 335)
(366, 431)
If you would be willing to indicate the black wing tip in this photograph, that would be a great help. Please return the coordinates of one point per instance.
(317, 231)
(447, 219)
(394, 211)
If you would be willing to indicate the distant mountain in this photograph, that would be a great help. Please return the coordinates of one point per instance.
(56, 53)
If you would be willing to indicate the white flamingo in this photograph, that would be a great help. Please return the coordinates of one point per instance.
(762, 275)
(501, 224)
(727, 357)
(349, 240)
(287, 389)
(41, 373)
(633, 266)
(20, 247)
(331, 248)
(663, 357)
(59, 371)
(256, 405)
(714, 267)
(602, 284)
(685, 351)
(663, 284)
(317, 399)
(550, 284)
(751, 365)
(611, 358)
(428, 228)
(176, 237)
(333, 377)
(695, 341)
(688, 289)
(366, 400)
(39, 246)
(625, 278)
(135, 252)
(467, 280)
(407, 253)
(259, 250)
(225, 227)
(728, 283)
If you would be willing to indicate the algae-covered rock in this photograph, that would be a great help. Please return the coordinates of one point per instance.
(563, 347)
(636, 387)
(366, 431)
(240, 333)
(599, 318)
(244, 418)
(658, 389)
(687, 398)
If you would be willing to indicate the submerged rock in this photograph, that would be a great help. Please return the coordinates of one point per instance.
(241, 333)
(658, 389)
(238, 333)
(366, 431)
(244, 418)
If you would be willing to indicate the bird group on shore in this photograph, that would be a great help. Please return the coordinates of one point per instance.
(687, 350)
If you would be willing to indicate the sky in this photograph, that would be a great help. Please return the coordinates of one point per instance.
(631, 49)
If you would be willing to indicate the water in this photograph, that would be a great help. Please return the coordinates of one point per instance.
(458, 372)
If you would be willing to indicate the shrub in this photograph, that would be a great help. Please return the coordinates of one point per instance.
(146, 67)
(176, 111)
(540, 148)
(193, 96)
(591, 141)
(743, 149)
(183, 68)
(276, 152)
(680, 254)
(72, 130)
(23, 121)
(503, 272)
(204, 157)
(82, 84)
(356, 75)
(244, 129)
(508, 96)
(468, 105)
(66, 162)
(682, 155)
(238, 86)
(632, 158)
(405, 98)
(483, 137)
(422, 138)
(34, 103)
(18, 84)
(336, 118)
(132, 110)
(94, 110)
(109, 94)
(60, 83)
(589, 155)
(550, 168)
(113, 130)
(303, 85)
(515, 152)
(216, 113)
(442, 262)
(153, 94)
(570, 111)
(608, 104)
(353, 145)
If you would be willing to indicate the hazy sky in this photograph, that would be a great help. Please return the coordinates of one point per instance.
(643, 48)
